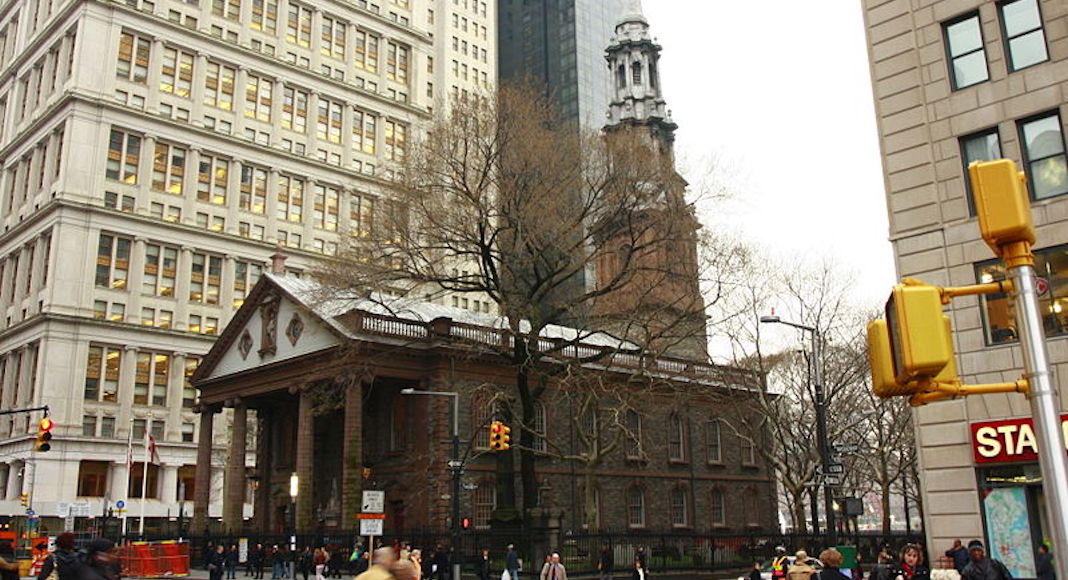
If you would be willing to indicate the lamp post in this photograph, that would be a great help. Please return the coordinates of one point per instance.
(821, 418)
(294, 488)
(456, 466)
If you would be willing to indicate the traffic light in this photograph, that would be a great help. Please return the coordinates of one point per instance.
(465, 523)
(918, 337)
(1001, 203)
(498, 436)
(44, 435)
(24, 499)
(883, 381)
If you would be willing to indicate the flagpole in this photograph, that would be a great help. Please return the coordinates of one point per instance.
(144, 488)
(129, 468)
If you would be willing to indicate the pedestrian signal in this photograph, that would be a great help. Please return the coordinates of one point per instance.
(1001, 203)
(498, 436)
(24, 499)
(920, 345)
(465, 523)
(44, 435)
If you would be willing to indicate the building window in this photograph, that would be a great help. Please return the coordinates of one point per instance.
(137, 476)
(219, 86)
(363, 132)
(92, 478)
(396, 137)
(1044, 157)
(295, 110)
(258, 98)
(397, 62)
(361, 215)
(635, 507)
(228, 9)
(333, 38)
(168, 168)
(983, 146)
(189, 392)
(717, 507)
(748, 451)
(134, 54)
(328, 121)
(253, 189)
(124, 151)
(633, 423)
(999, 310)
(150, 382)
(325, 210)
(107, 427)
(290, 199)
(1025, 40)
(265, 15)
(213, 177)
(540, 425)
(712, 441)
(161, 265)
(89, 426)
(366, 51)
(205, 278)
(485, 501)
(246, 274)
(298, 25)
(676, 437)
(112, 262)
(176, 75)
(679, 508)
(187, 432)
(964, 46)
(102, 374)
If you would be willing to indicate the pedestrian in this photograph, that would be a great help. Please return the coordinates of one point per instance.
(511, 563)
(959, 554)
(800, 569)
(319, 560)
(1044, 561)
(483, 565)
(639, 572)
(980, 567)
(832, 560)
(304, 562)
(100, 561)
(404, 569)
(64, 560)
(554, 570)
(640, 554)
(755, 574)
(606, 564)
(259, 560)
(911, 566)
(381, 560)
(779, 564)
(883, 567)
(9, 566)
(232, 556)
(217, 563)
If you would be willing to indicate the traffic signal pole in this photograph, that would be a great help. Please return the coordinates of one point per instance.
(822, 435)
(1044, 411)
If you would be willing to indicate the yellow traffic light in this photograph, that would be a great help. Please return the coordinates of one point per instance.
(884, 383)
(498, 436)
(920, 345)
(24, 499)
(44, 435)
(505, 437)
(1001, 203)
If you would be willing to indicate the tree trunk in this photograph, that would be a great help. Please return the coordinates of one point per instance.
(589, 507)
(526, 437)
(884, 490)
(797, 511)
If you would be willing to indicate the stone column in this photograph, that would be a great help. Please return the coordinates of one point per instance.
(265, 440)
(202, 491)
(352, 466)
(305, 461)
(234, 499)
(168, 495)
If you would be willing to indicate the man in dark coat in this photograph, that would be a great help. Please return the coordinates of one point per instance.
(484, 566)
(959, 554)
(981, 567)
(606, 564)
(1045, 564)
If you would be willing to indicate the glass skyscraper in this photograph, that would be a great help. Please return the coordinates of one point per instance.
(560, 45)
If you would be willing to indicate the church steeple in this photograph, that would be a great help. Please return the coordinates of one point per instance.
(632, 58)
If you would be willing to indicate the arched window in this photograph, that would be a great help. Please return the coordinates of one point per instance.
(635, 507)
(539, 427)
(621, 77)
(481, 415)
(634, 434)
(676, 437)
(712, 441)
(636, 72)
(679, 508)
(717, 508)
(750, 506)
(484, 501)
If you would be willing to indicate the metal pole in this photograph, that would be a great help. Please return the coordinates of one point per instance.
(1044, 411)
(455, 486)
(821, 434)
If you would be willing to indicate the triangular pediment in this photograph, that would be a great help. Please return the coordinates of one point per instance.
(272, 326)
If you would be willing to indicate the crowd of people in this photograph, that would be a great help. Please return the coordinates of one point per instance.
(98, 560)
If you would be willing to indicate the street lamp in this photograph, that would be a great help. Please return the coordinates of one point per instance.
(456, 466)
(294, 488)
(821, 418)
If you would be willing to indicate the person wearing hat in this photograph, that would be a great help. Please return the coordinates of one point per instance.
(511, 563)
(801, 569)
(980, 567)
(779, 564)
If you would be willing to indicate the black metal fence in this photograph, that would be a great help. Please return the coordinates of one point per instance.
(668, 551)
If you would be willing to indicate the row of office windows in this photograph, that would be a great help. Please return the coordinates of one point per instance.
(103, 426)
(33, 171)
(152, 373)
(999, 310)
(45, 78)
(1043, 149)
(1022, 34)
(94, 480)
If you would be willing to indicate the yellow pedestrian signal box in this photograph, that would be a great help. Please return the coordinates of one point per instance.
(498, 436)
(1001, 203)
(883, 381)
(24, 499)
(920, 345)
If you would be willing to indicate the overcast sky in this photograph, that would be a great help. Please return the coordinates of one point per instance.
(778, 92)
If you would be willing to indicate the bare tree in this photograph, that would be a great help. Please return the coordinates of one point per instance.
(590, 231)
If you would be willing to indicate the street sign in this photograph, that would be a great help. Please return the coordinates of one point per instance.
(454, 463)
(371, 516)
(374, 501)
(831, 468)
(370, 527)
(845, 448)
(120, 504)
(832, 480)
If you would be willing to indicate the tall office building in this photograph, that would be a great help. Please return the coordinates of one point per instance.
(559, 44)
(955, 82)
(155, 153)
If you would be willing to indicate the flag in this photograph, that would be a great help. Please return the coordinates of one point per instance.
(153, 451)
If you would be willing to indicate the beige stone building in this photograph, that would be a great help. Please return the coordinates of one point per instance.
(154, 153)
(957, 81)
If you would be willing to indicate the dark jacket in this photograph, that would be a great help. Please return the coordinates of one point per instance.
(1044, 568)
(829, 573)
(607, 562)
(921, 572)
(483, 568)
(985, 569)
(959, 556)
(511, 561)
(67, 562)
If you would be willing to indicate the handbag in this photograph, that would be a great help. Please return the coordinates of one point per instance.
(505, 575)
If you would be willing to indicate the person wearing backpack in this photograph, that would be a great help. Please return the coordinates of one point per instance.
(981, 567)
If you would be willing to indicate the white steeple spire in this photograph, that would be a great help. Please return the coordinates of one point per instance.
(632, 12)
(632, 59)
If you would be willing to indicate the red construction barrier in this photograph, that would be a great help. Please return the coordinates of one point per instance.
(155, 559)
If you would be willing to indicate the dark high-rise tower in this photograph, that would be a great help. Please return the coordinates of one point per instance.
(559, 44)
